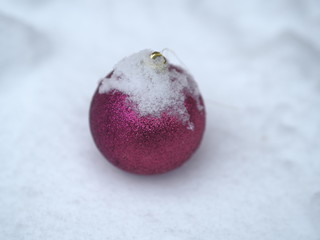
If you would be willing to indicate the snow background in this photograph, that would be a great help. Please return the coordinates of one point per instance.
(257, 172)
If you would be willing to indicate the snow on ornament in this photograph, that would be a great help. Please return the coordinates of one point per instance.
(147, 116)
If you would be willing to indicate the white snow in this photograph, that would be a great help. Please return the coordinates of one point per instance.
(256, 174)
(148, 84)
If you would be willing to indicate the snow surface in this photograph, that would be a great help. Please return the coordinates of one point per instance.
(149, 86)
(256, 174)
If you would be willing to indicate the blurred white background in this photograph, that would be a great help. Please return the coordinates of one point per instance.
(257, 172)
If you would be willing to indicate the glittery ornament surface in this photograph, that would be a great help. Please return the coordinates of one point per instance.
(144, 144)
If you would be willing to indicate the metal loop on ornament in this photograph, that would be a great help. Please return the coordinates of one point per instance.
(156, 55)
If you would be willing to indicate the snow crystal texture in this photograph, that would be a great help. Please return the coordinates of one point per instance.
(149, 86)
(256, 174)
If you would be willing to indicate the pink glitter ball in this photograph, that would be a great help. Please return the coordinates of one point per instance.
(144, 144)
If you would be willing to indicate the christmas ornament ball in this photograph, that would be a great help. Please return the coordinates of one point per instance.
(147, 116)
